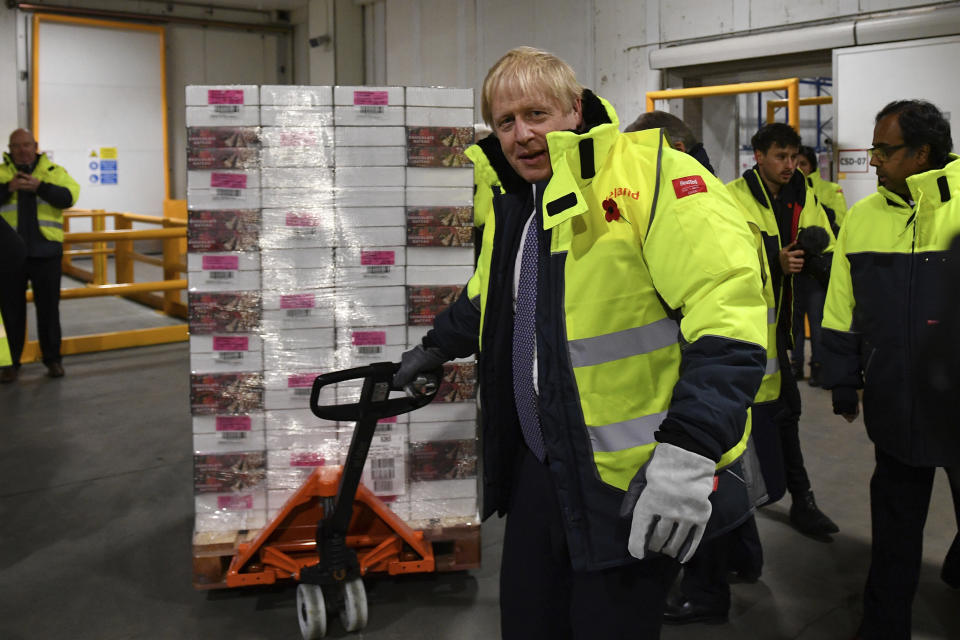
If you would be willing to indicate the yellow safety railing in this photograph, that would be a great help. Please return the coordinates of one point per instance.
(773, 105)
(790, 85)
(161, 294)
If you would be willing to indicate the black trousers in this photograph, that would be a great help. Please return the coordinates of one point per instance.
(541, 596)
(789, 420)
(704, 579)
(808, 301)
(899, 501)
(44, 276)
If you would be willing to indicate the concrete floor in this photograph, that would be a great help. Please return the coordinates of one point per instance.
(96, 521)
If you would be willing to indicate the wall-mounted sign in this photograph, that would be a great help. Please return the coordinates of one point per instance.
(854, 161)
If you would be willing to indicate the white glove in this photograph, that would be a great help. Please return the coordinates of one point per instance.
(673, 508)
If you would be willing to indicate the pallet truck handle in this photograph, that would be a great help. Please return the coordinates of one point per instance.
(418, 393)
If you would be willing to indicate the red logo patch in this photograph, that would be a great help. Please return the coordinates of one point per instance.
(688, 186)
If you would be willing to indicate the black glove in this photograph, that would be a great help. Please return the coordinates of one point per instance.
(845, 401)
(417, 360)
(813, 240)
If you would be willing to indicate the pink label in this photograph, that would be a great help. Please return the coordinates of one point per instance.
(301, 220)
(305, 139)
(369, 337)
(298, 301)
(228, 180)
(306, 459)
(231, 343)
(381, 98)
(234, 502)
(377, 257)
(390, 420)
(225, 96)
(301, 380)
(221, 263)
(234, 423)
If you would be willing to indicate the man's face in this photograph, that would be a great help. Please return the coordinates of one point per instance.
(777, 164)
(522, 122)
(894, 161)
(804, 165)
(23, 148)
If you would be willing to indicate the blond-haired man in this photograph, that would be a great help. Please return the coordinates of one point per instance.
(620, 325)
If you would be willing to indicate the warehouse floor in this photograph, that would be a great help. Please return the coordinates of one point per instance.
(96, 522)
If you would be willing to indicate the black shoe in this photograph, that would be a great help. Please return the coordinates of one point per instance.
(950, 573)
(683, 611)
(55, 370)
(8, 374)
(797, 371)
(807, 518)
(814, 380)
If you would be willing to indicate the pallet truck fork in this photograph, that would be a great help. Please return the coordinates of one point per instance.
(334, 530)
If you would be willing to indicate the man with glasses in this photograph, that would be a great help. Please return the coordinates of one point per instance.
(889, 291)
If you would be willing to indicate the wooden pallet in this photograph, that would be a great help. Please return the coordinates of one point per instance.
(456, 547)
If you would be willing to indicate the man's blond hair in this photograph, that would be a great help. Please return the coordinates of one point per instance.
(530, 71)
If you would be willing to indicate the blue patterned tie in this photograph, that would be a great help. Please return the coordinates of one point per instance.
(524, 342)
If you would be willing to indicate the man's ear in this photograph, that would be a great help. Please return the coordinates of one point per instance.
(578, 109)
(679, 146)
(922, 155)
(757, 155)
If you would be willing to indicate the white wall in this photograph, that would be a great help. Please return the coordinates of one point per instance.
(9, 119)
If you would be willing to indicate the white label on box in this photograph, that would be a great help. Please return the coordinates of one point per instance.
(223, 116)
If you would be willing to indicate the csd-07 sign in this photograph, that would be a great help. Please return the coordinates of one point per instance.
(854, 161)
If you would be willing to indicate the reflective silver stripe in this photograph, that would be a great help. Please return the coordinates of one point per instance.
(771, 316)
(773, 365)
(8, 207)
(624, 435)
(586, 352)
(50, 223)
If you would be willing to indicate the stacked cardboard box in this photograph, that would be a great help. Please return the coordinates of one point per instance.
(440, 257)
(223, 264)
(356, 230)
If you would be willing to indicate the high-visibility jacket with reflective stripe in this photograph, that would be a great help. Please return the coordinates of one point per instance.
(5, 358)
(648, 318)
(888, 290)
(49, 217)
(752, 194)
(830, 195)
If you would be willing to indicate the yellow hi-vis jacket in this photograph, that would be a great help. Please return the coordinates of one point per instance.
(830, 196)
(752, 194)
(49, 217)
(5, 358)
(889, 288)
(650, 322)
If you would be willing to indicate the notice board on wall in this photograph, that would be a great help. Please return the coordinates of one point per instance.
(99, 110)
(867, 78)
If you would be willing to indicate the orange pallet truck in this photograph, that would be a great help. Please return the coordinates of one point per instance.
(333, 530)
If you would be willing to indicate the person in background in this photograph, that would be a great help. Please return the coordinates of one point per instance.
(776, 196)
(33, 194)
(602, 438)
(887, 329)
(810, 292)
(678, 133)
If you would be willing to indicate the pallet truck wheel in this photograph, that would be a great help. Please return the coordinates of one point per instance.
(311, 611)
(353, 613)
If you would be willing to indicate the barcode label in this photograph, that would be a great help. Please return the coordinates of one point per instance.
(370, 108)
(377, 269)
(229, 193)
(233, 435)
(231, 355)
(220, 275)
(384, 428)
(383, 486)
(371, 350)
(226, 108)
(302, 392)
(298, 313)
(383, 463)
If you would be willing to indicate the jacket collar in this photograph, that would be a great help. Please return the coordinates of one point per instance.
(795, 190)
(936, 187)
(41, 162)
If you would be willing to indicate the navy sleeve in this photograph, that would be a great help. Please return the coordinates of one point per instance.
(456, 329)
(4, 192)
(60, 197)
(719, 378)
(840, 359)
